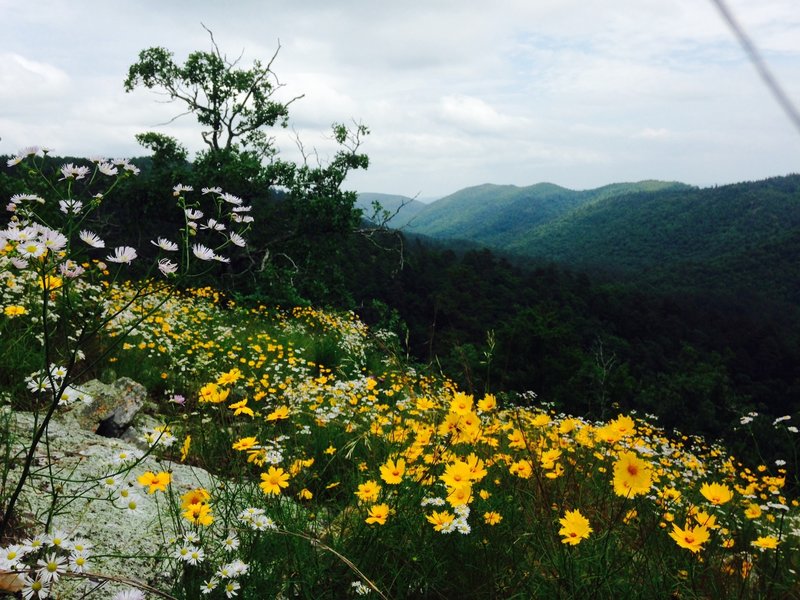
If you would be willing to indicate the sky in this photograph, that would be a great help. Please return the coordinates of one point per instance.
(455, 93)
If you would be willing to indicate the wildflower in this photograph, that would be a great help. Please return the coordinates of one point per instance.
(460, 495)
(691, 538)
(237, 240)
(716, 493)
(574, 527)
(11, 556)
(488, 403)
(107, 169)
(230, 543)
(198, 514)
(273, 480)
(368, 491)
(130, 594)
(211, 392)
(631, 475)
(14, 311)
(378, 513)
(31, 249)
(766, 542)
(195, 496)
(122, 255)
(245, 443)
(202, 252)
(167, 267)
(180, 188)
(196, 556)
(165, 244)
(155, 481)
(209, 585)
(282, 412)
(360, 588)
(187, 442)
(70, 171)
(392, 471)
(57, 539)
(456, 474)
(231, 588)
(78, 562)
(92, 239)
(305, 494)
(34, 588)
(522, 469)
(50, 567)
(492, 517)
(753, 511)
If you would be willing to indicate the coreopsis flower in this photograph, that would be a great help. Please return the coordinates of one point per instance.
(459, 496)
(368, 491)
(280, 413)
(14, 311)
(456, 474)
(378, 513)
(632, 475)
(122, 255)
(155, 481)
(273, 480)
(211, 392)
(492, 517)
(488, 403)
(716, 493)
(766, 542)
(753, 511)
(691, 538)
(198, 513)
(440, 519)
(574, 527)
(392, 471)
(245, 443)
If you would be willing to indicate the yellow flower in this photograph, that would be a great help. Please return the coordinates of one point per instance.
(185, 448)
(459, 495)
(241, 407)
(488, 403)
(691, 538)
(753, 511)
(392, 471)
(766, 542)
(632, 475)
(14, 311)
(440, 519)
(456, 474)
(378, 513)
(716, 493)
(230, 377)
(199, 514)
(492, 517)
(461, 403)
(211, 392)
(574, 527)
(155, 481)
(305, 494)
(245, 443)
(282, 412)
(521, 468)
(368, 491)
(196, 496)
(273, 480)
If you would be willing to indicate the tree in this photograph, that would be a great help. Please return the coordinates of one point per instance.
(310, 217)
(235, 104)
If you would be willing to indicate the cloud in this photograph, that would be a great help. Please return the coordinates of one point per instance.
(22, 78)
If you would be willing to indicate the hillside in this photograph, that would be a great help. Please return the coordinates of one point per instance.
(499, 215)
(406, 208)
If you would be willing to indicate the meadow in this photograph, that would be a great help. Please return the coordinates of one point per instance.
(340, 469)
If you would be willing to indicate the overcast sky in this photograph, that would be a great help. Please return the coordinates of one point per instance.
(455, 93)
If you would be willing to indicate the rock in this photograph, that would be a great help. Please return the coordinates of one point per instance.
(113, 407)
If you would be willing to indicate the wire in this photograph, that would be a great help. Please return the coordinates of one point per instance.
(760, 64)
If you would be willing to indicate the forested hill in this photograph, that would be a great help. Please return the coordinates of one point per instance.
(499, 215)
(744, 235)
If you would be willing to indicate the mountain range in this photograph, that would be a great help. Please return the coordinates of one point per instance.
(665, 233)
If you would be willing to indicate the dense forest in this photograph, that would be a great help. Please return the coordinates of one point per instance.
(693, 348)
